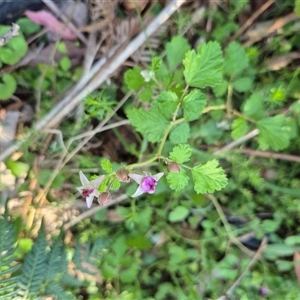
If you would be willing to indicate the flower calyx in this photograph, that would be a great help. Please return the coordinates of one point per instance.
(104, 198)
(122, 175)
(174, 167)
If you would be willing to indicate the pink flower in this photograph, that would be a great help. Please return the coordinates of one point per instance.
(89, 189)
(146, 183)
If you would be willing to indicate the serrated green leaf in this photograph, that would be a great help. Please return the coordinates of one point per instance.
(236, 59)
(178, 214)
(134, 79)
(273, 133)
(166, 102)
(221, 89)
(106, 165)
(193, 104)
(253, 107)
(239, 128)
(242, 84)
(156, 63)
(115, 185)
(181, 153)
(205, 67)
(177, 180)
(151, 124)
(146, 95)
(180, 133)
(208, 177)
(175, 51)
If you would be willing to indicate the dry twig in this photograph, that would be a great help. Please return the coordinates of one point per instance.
(14, 31)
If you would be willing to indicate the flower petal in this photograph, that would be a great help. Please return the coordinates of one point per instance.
(83, 179)
(158, 176)
(96, 182)
(138, 192)
(136, 177)
(80, 189)
(89, 200)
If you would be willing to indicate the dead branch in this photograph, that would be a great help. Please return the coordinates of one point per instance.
(14, 31)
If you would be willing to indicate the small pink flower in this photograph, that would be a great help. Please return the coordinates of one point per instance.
(89, 189)
(146, 183)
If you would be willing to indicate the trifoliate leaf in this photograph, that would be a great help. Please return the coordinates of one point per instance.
(168, 102)
(181, 153)
(175, 51)
(273, 133)
(178, 214)
(236, 59)
(180, 133)
(106, 165)
(242, 84)
(177, 180)
(193, 104)
(253, 107)
(151, 124)
(239, 128)
(208, 177)
(134, 79)
(205, 67)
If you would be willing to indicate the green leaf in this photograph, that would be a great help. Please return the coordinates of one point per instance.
(151, 124)
(178, 214)
(134, 79)
(208, 177)
(205, 67)
(65, 63)
(156, 63)
(193, 104)
(177, 180)
(146, 94)
(253, 107)
(242, 84)
(180, 133)
(175, 51)
(239, 128)
(140, 242)
(168, 102)
(236, 59)
(181, 153)
(106, 165)
(273, 133)
(8, 86)
(297, 8)
(45, 174)
(27, 26)
(17, 168)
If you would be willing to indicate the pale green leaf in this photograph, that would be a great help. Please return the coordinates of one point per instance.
(273, 133)
(242, 84)
(297, 8)
(205, 67)
(236, 59)
(151, 124)
(177, 180)
(146, 94)
(193, 104)
(178, 214)
(175, 51)
(133, 79)
(253, 107)
(239, 128)
(180, 133)
(156, 63)
(181, 153)
(208, 177)
(106, 165)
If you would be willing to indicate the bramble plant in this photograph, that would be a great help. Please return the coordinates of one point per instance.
(176, 105)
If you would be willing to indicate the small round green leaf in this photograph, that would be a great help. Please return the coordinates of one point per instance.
(178, 214)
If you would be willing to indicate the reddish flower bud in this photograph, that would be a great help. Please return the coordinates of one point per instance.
(174, 167)
(122, 175)
(104, 198)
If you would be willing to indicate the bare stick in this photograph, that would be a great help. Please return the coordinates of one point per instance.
(14, 31)
(252, 19)
(93, 210)
(253, 261)
(89, 84)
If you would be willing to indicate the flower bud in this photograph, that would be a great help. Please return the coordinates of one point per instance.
(174, 167)
(104, 198)
(122, 175)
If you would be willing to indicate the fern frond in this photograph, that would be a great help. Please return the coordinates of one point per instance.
(33, 269)
(8, 264)
(57, 291)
